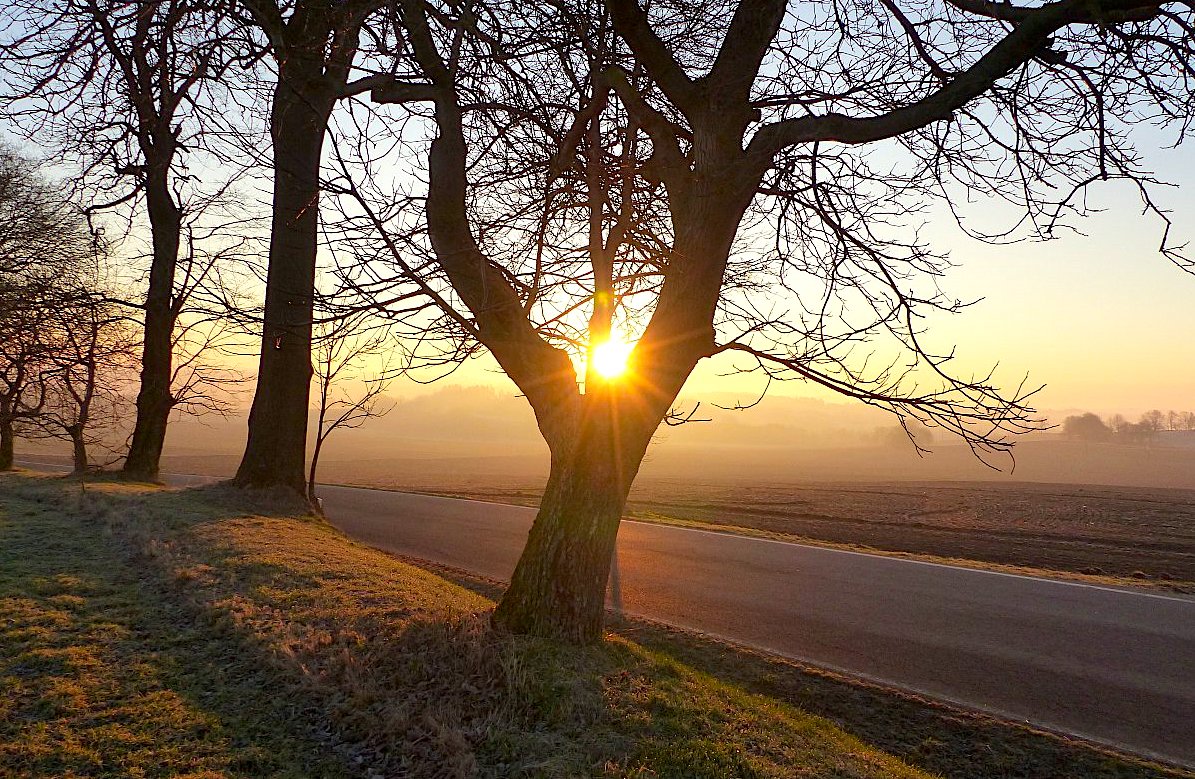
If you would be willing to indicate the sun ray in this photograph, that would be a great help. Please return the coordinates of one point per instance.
(610, 358)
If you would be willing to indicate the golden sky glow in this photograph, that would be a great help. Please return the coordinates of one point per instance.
(1101, 318)
(610, 358)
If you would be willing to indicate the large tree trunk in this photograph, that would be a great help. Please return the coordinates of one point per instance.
(559, 586)
(79, 451)
(275, 454)
(154, 400)
(7, 441)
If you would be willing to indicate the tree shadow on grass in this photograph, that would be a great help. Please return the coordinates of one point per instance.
(400, 674)
(257, 667)
(106, 676)
(935, 737)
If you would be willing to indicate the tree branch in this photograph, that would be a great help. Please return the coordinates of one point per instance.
(1030, 35)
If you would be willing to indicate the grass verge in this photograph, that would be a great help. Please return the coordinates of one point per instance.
(156, 633)
(201, 633)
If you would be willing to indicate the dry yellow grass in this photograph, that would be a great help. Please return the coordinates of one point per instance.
(149, 632)
(157, 633)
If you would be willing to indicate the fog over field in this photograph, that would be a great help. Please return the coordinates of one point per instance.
(453, 436)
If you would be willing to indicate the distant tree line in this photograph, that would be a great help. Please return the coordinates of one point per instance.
(66, 349)
(1090, 427)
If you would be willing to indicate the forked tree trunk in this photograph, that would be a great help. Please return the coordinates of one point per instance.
(275, 454)
(7, 444)
(154, 400)
(559, 586)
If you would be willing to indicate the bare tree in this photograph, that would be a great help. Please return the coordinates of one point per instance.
(315, 45)
(24, 359)
(126, 91)
(787, 244)
(39, 230)
(91, 362)
(45, 247)
(352, 373)
(204, 382)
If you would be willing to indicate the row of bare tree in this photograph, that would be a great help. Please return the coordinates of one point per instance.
(705, 179)
(1158, 421)
(69, 342)
(1090, 427)
(63, 345)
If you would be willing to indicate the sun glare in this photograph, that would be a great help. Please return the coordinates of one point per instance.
(610, 358)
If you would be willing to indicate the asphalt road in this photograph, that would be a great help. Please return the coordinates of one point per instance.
(1112, 665)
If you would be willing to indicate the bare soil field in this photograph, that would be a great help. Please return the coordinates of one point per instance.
(1096, 530)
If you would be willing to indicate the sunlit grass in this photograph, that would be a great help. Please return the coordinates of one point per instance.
(213, 632)
(376, 666)
(103, 674)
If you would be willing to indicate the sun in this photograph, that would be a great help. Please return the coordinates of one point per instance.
(609, 358)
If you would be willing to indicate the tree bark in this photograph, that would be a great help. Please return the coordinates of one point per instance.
(559, 586)
(7, 442)
(79, 451)
(154, 399)
(275, 454)
(319, 444)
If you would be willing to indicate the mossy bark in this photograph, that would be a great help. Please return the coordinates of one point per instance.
(559, 586)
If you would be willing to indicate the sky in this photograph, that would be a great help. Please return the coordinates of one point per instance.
(1102, 319)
